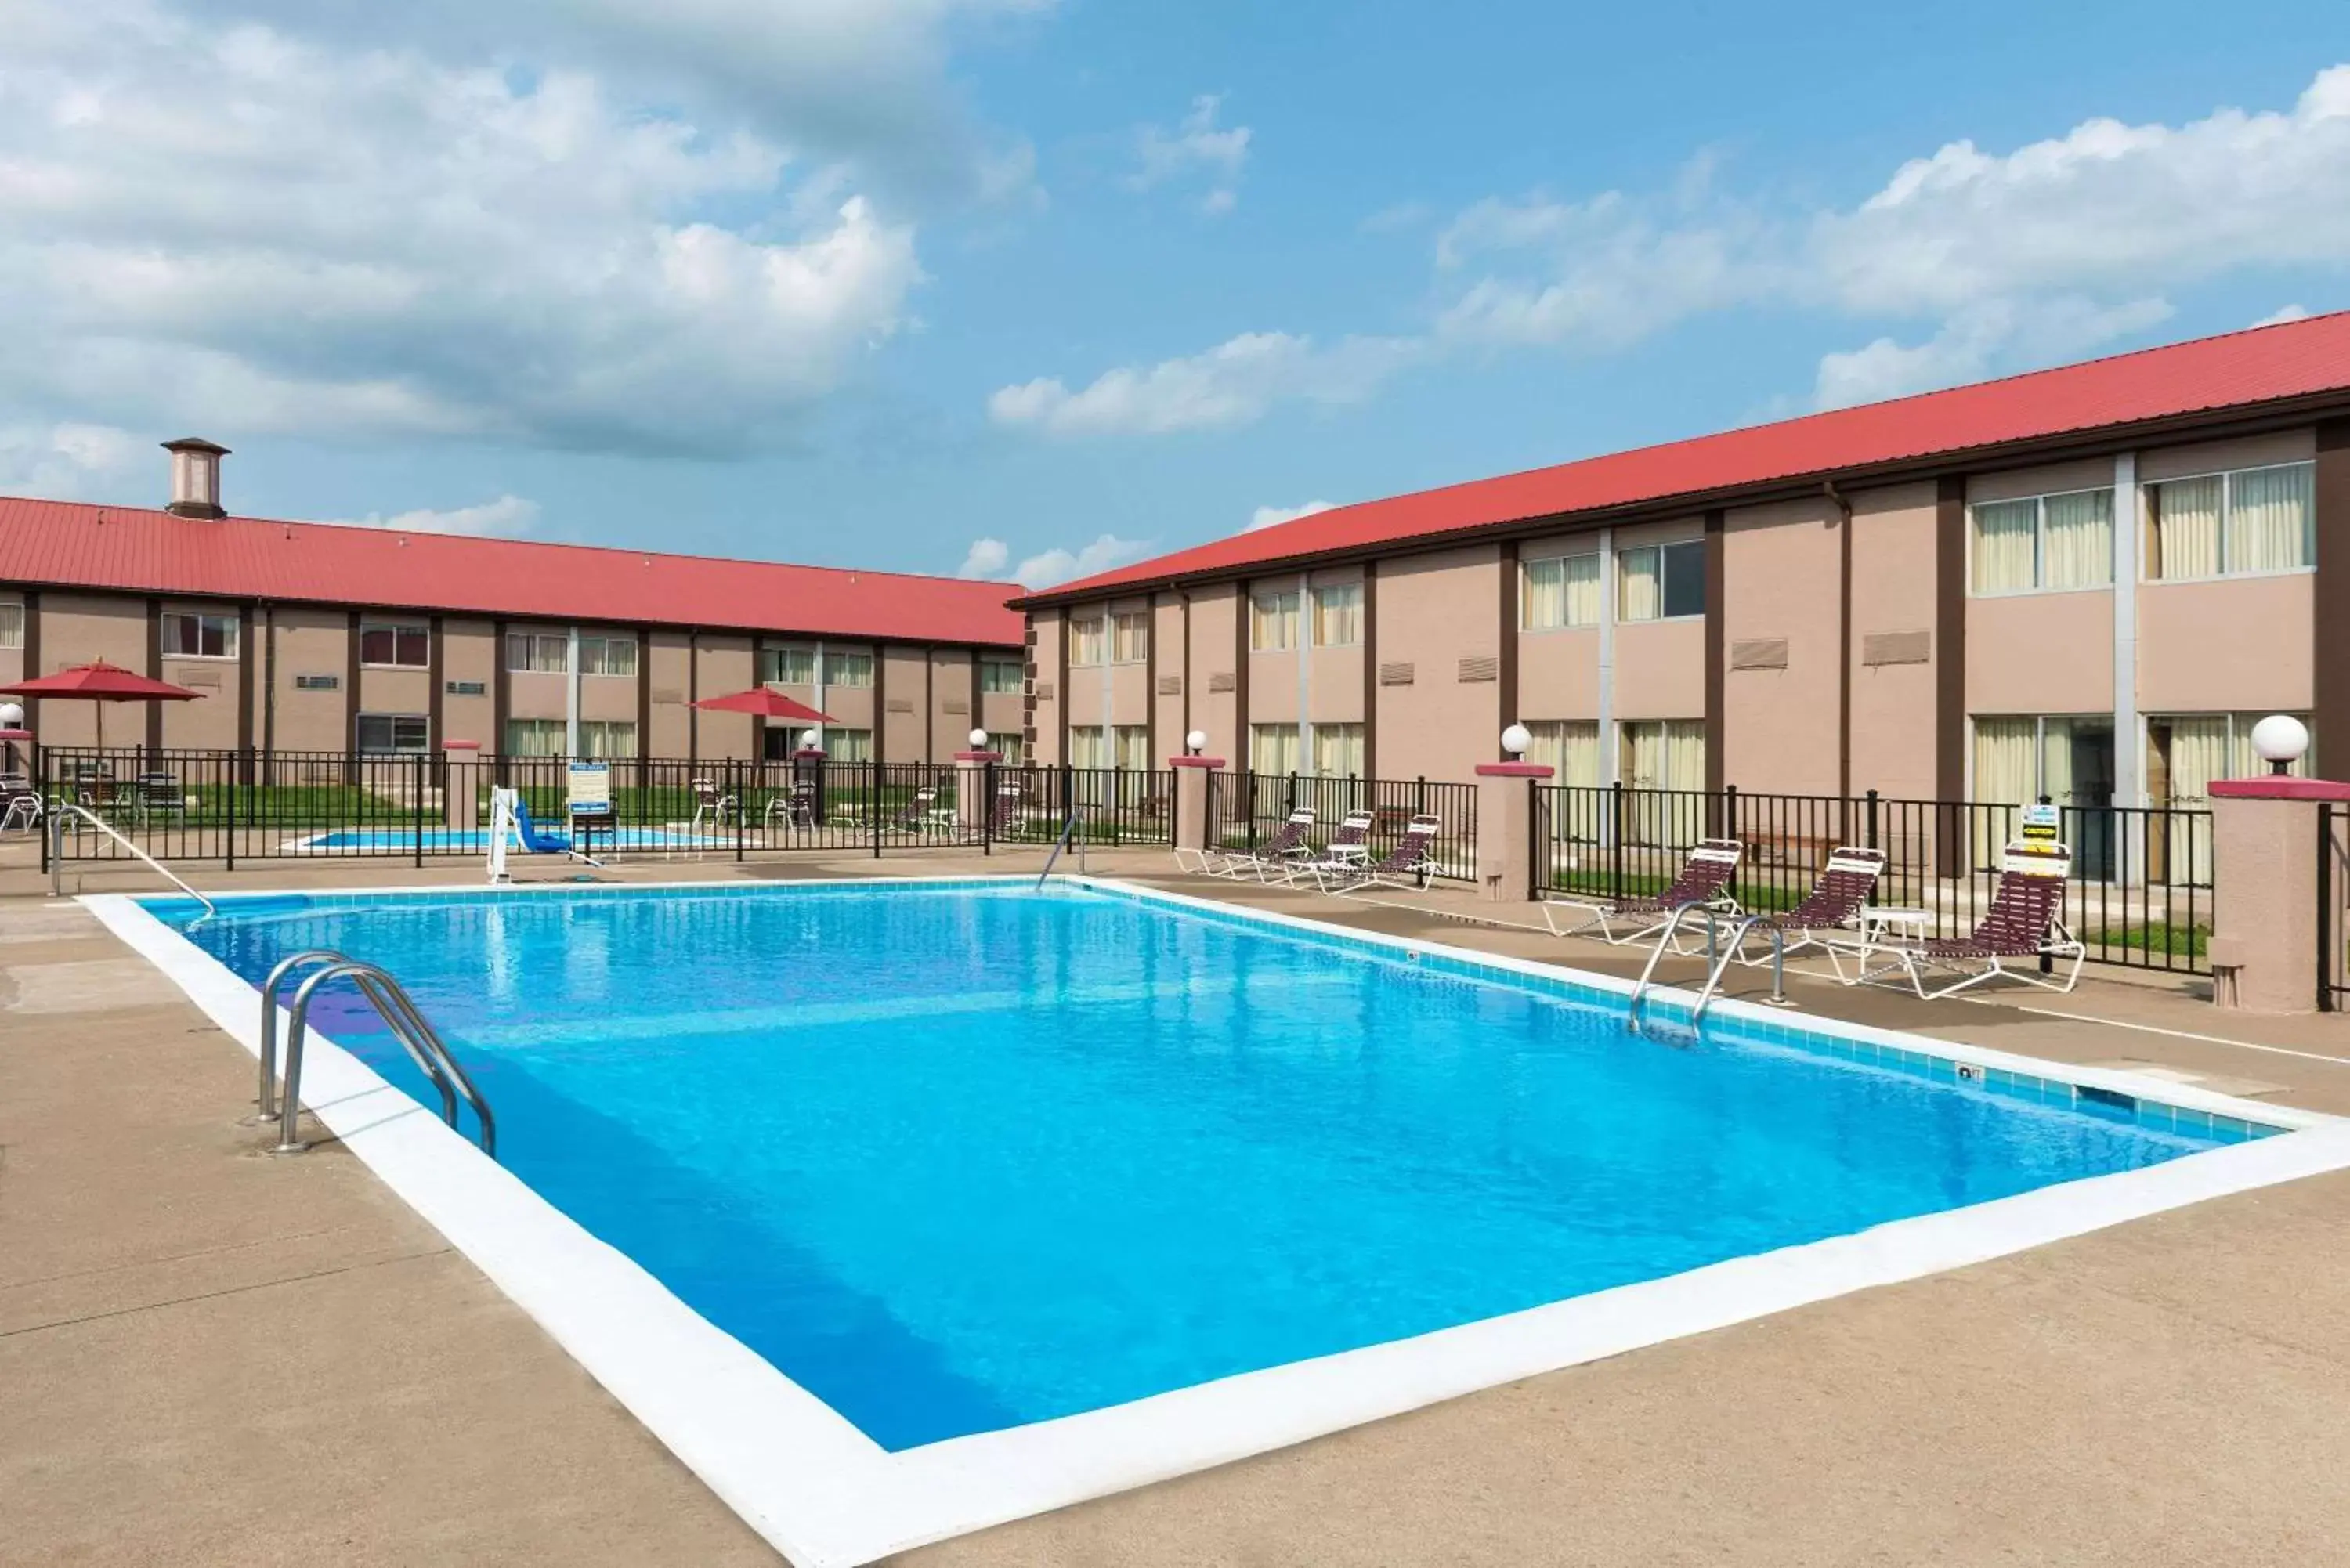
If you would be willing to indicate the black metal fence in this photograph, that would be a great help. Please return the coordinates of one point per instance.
(2139, 892)
(2332, 906)
(1247, 808)
(233, 806)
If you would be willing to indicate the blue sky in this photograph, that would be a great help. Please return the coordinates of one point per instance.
(1030, 285)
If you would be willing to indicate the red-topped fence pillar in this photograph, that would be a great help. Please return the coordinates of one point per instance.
(2269, 851)
(1505, 830)
(1192, 777)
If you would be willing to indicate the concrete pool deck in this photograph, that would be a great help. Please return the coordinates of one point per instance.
(214, 1357)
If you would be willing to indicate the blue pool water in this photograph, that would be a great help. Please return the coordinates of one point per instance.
(959, 1158)
(392, 840)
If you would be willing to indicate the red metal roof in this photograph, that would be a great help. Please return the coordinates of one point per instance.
(2262, 365)
(68, 544)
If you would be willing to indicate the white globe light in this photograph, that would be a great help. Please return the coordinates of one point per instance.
(1516, 739)
(12, 715)
(2280, 738)
(1197, 740)
(807, 740)
(978, 740)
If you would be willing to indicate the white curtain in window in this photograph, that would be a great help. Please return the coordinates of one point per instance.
(2198, 752)
(1273, 748)
(2270, 513)
(2185, 528)
(1338, 751)
(1133, 743)
(1544, 596)
(1582, 590)
(2076, 546)
(2005, 551)
(1338, 615)
(1684, 754)
(1273, 622)
(1570, 747)
(2006, 772)
(1639, 585)
(2057, 761)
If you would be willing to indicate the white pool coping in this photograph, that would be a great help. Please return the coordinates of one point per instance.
(827, 1496)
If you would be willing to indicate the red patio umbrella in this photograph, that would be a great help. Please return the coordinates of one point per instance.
(767, 705)
(102, 683)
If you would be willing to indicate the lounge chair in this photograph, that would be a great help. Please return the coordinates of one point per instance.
(20, 802)
(1705, 879)
(2024, 924)
(1349, 847)
(1278, 851)
(711, 805)
(1405, 866)
(159, 794)
(920, 814)
(795, 805)
(1835, 901)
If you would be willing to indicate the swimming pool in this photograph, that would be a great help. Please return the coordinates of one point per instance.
(968, 1163)
(476, 841)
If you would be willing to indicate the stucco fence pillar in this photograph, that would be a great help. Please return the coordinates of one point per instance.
(2265, 849)
(461, 785)
(1191, 787)
(1505, 830)
(972, 771)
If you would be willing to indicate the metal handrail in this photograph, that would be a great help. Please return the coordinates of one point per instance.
(1061, 844)
(418, 1038)
(266, 1101)
(1666, 939)
(1717, 955)
(58, 808)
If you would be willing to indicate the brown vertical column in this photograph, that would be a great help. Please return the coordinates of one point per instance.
(33, 658)
(1243, 753)
(694, 695)
(1716, 590)
(1843, 645)
(435, 666)
(1371, 669)
(1506, 643)
(2330, 682)
(245, 663)
(645, 700)
(1950, 671)
(351, 688)
(1184, 597)
(880, 705)
(1061, 687)
(154, 672)
(1027, 687)
(494, 743)
(977, 719)
(1151, 683)
(930, 702)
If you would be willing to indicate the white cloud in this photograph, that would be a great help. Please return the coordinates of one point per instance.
(1232, 383)
(1974, 344)
(2087, 230)
(502, 518)
(2284, 313)
(1269, 517)
(367, 241)
(1196, 149)
(985, 559)
(74, 461)
(1047, 568)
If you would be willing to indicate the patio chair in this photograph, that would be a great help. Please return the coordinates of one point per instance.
(1004, 818)
(1349, 847)
(2024, 924)
(920, 814)
(159, 794)
(1405, 866)
(711, 805)
(1276, 851)
(20, 804)
(1704, 878)
(795, 805)
(1835, 901)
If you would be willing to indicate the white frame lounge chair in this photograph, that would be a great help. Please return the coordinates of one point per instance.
(1274, 851)
(1825, 918)
(1349, 846)
(2024, 924)
(1413, 857)
(1706, 878)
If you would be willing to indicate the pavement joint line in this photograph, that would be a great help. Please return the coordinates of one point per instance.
(2158, 1029)
(231, 1291)
(173, 1257)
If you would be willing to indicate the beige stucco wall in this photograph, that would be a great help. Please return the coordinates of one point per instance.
(1893, 591)
(1167, 632)
(725, 664)
(310, 641)
(907, 695)
(1782, 569)
(208, 722)
(1661, 669)
(469, 651)
(1558, 672)
(671, 680)
(1213, 615)
(1049, 695)
(2212, 456)
(75, 630)
(2041, 653)
(2238, 645)
(2042, 479)
(1434, 611)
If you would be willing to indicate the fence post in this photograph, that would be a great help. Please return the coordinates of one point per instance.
(1729, 811)
(1504, 841)
(2326, 960)
(1616, 838)
(875, 810)
(734, 792)
(1872, 819)
(987, 810)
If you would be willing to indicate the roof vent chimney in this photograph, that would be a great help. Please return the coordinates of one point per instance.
(195, 477)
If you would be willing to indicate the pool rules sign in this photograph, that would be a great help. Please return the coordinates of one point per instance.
(590, 791)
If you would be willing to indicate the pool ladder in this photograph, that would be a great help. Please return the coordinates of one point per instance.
(394, 1005)
(1717, 954)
